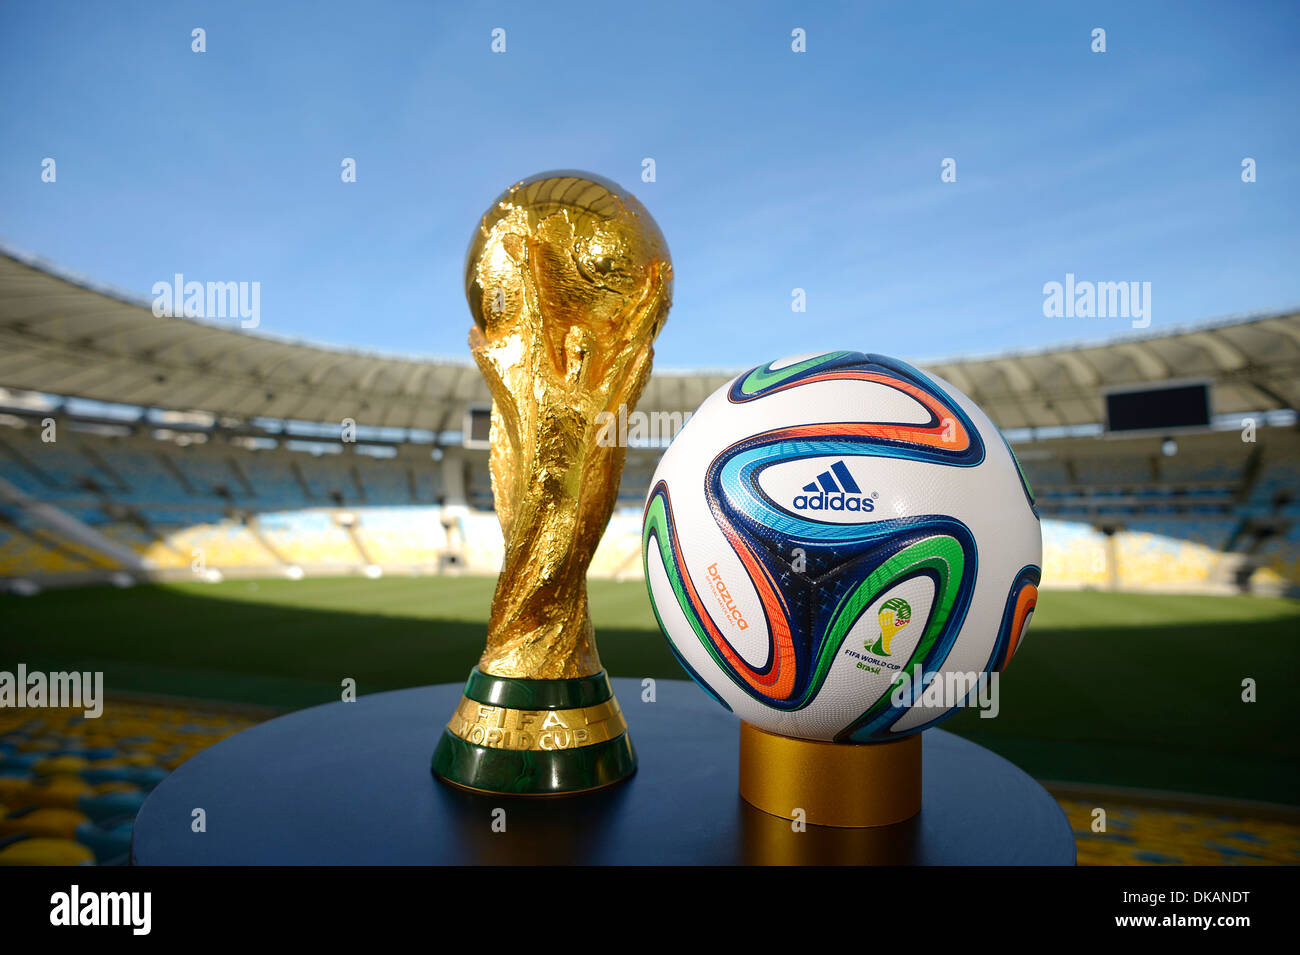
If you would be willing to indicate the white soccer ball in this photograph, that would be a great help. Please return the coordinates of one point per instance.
(840, 547)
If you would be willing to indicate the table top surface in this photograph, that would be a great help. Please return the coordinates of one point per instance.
(349, 783)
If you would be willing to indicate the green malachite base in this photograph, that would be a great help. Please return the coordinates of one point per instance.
(518, 694)
(534, 772)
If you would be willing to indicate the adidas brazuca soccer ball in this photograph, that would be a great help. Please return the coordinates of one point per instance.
(823, 525)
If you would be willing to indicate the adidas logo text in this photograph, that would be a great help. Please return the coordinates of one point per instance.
(833, 490)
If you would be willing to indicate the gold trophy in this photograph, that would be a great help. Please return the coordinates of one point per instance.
(569, 281)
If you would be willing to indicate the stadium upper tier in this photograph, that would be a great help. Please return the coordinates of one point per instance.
(61, 334)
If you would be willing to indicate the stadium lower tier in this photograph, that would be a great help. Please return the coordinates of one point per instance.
(1146, 834)
(70, 787)
(1148, 556)
(332, 540)
(1168, 555)
(1216, 519)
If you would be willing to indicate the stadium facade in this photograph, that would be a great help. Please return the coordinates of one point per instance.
(135, 446)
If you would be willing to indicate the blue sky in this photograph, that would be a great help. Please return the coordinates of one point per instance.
(775, 170)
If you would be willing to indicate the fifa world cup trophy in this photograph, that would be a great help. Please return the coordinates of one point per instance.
(569, 281)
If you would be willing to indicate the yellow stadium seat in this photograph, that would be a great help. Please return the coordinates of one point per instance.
(44, 851)
(60, 792)
(60, 764)
(51, 823)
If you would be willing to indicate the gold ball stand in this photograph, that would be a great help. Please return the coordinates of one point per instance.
(851, 786)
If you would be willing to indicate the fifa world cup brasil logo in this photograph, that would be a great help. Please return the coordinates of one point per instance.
(569, 281)
(895, 614)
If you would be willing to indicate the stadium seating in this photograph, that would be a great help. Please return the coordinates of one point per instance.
(402, 537)
(1210, 532)
(1146, 560)
(1112, 470)
(1278, 485)
(35, 548)
(70, 787)
(219, 545)
(309, 538)
(215, 505)
(160, 554)
(482, 544)
(382, 484)
(619, 553)
(1194, 468)
(1280, 559)
(1044, 472)
(273, 484)
(22, 555)
(1074, 554)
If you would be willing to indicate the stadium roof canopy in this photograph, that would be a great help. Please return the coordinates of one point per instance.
(1254, 365)
(62, 335)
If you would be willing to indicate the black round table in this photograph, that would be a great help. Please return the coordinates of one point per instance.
(349, 784)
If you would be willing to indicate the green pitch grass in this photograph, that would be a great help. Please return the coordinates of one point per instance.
(1124, 689)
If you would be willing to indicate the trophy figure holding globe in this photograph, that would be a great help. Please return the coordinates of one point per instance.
(569, 281)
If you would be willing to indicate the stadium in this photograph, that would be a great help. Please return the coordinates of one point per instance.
(229, 525)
